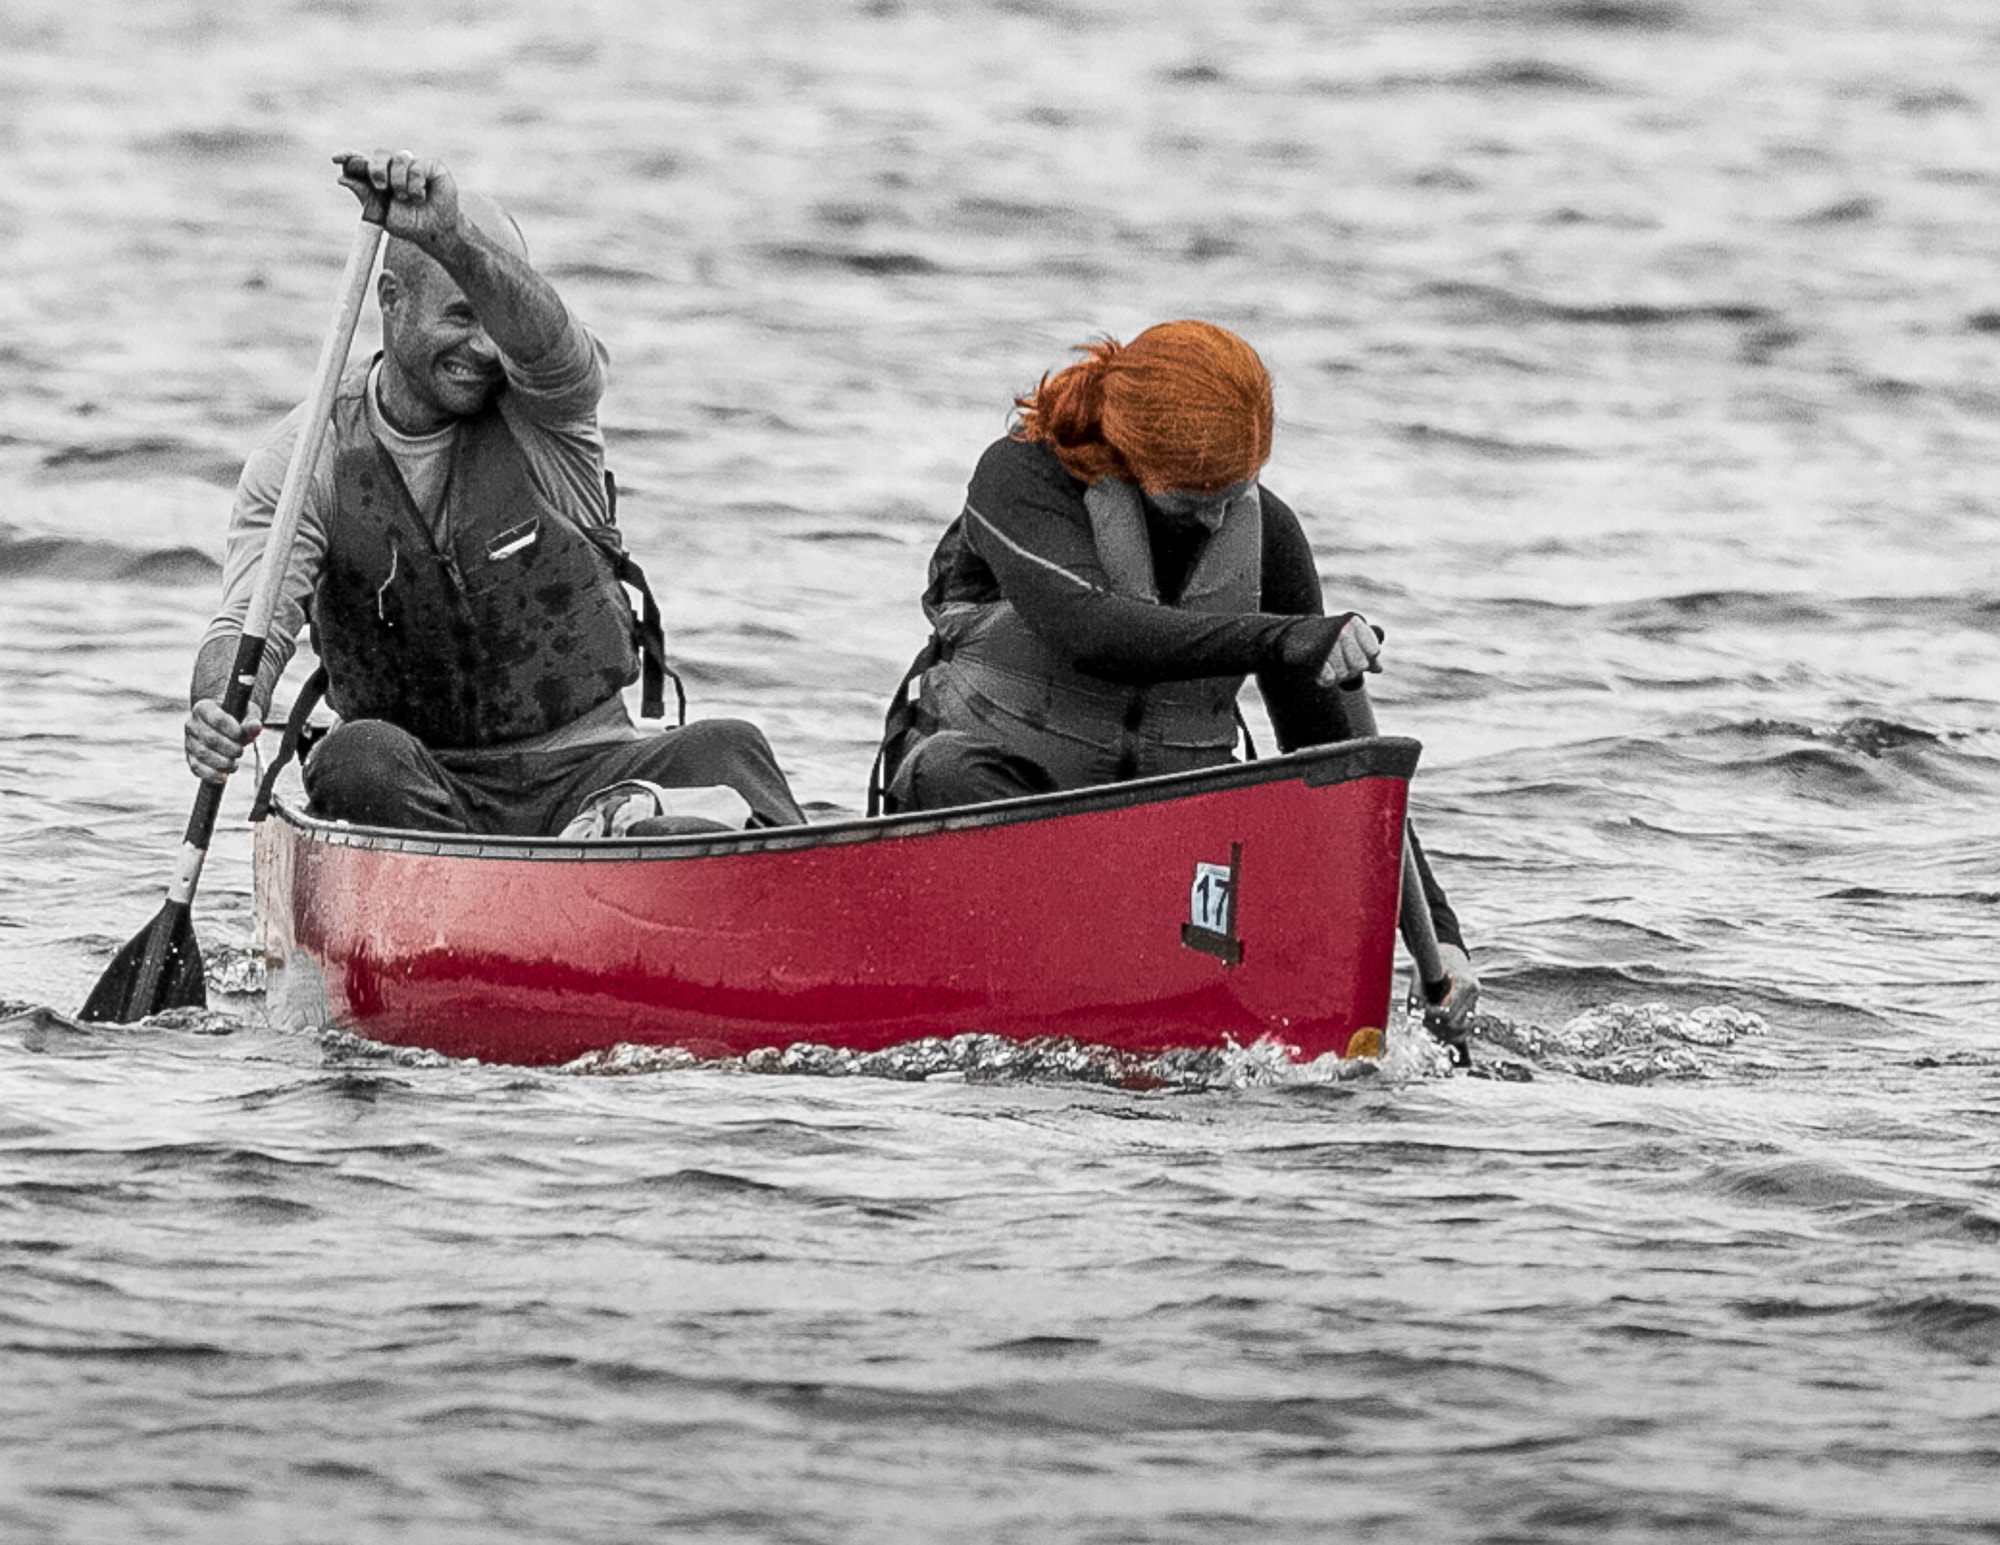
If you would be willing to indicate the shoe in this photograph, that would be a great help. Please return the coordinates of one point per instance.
(675, 826)
(624, 808)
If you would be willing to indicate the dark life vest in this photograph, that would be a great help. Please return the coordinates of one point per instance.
(993, 677)
(514, 627)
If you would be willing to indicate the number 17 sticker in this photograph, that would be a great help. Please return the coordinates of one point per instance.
(1208, 906)
(1212, 896)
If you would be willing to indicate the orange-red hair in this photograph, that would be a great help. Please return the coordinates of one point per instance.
(1184, 407)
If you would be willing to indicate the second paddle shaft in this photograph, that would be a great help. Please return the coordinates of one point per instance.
(1419, 932)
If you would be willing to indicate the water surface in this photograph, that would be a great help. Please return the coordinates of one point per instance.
(1637, 371)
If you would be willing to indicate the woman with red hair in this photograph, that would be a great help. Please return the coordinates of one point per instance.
(1116, 573)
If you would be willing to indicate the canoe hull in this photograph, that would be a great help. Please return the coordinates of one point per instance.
(1080, 915)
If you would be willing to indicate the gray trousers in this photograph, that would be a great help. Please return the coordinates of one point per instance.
(375, 774)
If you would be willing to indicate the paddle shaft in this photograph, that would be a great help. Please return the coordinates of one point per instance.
(140, 999)
(1419, 932)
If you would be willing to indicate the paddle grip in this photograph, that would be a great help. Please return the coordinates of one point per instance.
(375, 203)
(235, 702)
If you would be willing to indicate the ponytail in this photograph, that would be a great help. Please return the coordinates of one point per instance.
(1066, 412)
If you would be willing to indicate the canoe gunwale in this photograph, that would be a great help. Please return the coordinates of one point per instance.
(1316, 766)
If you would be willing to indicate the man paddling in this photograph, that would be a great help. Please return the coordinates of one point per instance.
(458, 558)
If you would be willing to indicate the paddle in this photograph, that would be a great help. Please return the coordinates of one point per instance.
(161, 967)
(1419, 932)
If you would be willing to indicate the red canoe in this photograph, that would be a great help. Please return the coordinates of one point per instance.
(1248, 903)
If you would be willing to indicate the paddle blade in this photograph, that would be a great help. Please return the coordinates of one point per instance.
(159, 969)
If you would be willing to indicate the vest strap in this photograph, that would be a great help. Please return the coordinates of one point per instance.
(649, 633)
(299, 739)
(898, 724)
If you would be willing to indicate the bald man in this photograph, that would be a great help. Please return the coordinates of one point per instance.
(458, 560)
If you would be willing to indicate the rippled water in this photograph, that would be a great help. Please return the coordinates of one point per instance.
(1639, 371)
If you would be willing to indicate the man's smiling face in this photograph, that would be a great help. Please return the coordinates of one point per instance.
(446, 365)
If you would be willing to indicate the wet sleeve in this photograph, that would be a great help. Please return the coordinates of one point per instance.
(1444, 921)
(552, 411)
(1025, 518)
(566, 384)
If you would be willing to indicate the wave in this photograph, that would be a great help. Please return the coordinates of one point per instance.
(1841, 212)
(1964, 1327)
(873, 262)
(1926, 1219)
(1580, 15)
(1495, 303)
(598, 272)
(1497, 446)
(868, 535)
(1983, 898)
(1592, 1007)
(987, 215)
(1824, 772)
(1503, 75)
(1859, 759)
(36, 556)
(1616, 1043)
(1682, 612)
(1619, 15)
(1531, 75)
(1084, 1405)
(1800, 1184)
(226, 143)
(99, 1349)
(138, 457)
(1671, 616)
(707, 1183)
(1866, 735)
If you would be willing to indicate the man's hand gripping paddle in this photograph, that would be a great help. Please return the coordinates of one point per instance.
(161, 967)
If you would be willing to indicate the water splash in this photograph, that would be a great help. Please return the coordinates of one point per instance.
(1623, 1043)
(340, 1048)
(1408, 1052)
(961, 1058)
(234, 971)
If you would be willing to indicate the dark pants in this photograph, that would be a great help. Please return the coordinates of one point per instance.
(372, 773)
(950, 767)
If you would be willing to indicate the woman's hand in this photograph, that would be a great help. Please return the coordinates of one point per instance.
(1356, 651)
(1452, 1014)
